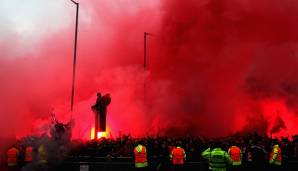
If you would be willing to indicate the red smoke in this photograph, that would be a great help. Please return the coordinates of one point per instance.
(214, 68)
(279, 124)
(223, 60)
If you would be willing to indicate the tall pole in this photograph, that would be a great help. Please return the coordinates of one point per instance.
(145, 67)
(145, 50)
(75, 56)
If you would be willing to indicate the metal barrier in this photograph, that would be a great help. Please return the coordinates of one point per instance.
(87, 163)
(153, 166)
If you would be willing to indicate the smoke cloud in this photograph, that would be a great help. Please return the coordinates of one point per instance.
(214, 68)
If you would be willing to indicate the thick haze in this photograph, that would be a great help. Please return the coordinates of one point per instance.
(214, 67)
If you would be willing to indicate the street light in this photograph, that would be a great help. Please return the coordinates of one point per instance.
(75, 55)
(145, 48)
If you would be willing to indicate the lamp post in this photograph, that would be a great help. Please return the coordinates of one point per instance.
(75, 55)
(145, 48)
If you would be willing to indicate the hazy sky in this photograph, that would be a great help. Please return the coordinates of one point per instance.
(30, 20)
(33, 20)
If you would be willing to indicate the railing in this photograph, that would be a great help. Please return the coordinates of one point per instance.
(126, 164)
(87, 163)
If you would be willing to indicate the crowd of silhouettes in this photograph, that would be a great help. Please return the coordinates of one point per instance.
(255, 148)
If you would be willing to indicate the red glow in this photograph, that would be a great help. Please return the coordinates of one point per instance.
(99, 134)
(210, 63)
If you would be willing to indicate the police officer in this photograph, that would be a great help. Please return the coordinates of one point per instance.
(42, 157)
(178, 157)
(140, 154)
(236, 157)
(218, 158)
(275, 158)
(12, 158)
(28, 154)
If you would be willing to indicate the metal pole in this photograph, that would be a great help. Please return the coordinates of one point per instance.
(145, 67)
(145, 50)
(75, 56)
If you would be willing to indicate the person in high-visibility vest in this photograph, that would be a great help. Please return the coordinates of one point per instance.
(275, 158)
(236, 157)
(218, 158)
(28, 154)
(42, 154)
(12, 158)
(178, 157)
(140, 154)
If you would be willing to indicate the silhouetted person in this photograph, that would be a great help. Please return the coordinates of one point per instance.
(97, 104)
(218, 159)
(96, 110)
(100, 110)
(258, 156)
(104, 102)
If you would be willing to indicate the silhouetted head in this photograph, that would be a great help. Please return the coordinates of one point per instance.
(216, 144)
(98, 94)
(275, 142)
(178, 143)
(13, 146)
(140, 142)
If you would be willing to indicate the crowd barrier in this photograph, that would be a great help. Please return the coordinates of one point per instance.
(126, 164)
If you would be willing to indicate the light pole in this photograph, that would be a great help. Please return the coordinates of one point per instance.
(75, 56)
(145, 48)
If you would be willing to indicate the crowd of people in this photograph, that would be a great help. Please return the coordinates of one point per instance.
(254, 151)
